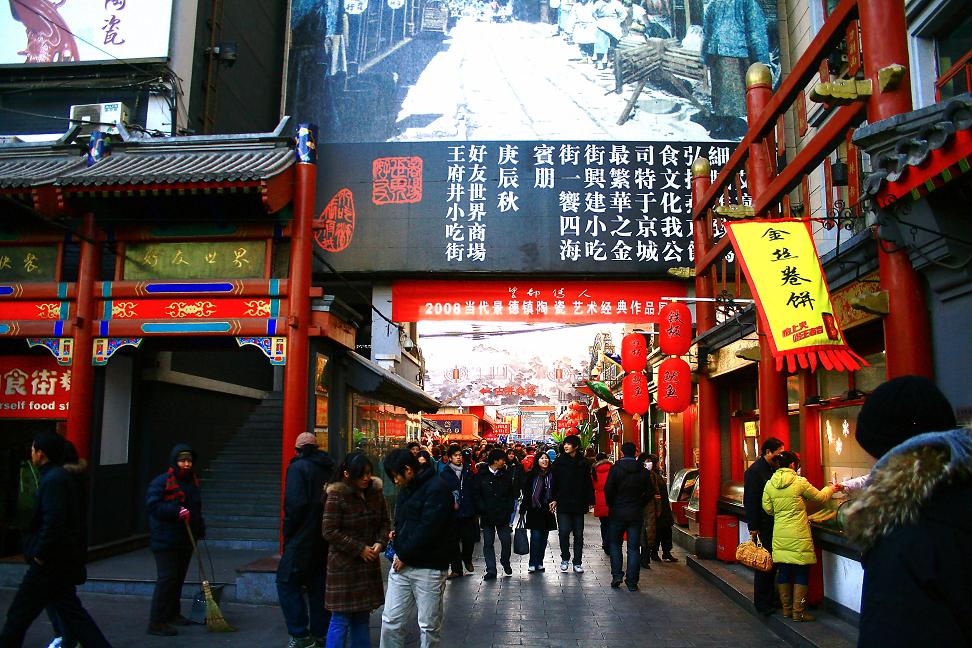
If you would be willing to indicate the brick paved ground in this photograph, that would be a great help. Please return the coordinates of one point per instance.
(675, 607)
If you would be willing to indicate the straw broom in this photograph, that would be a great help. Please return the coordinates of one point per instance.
(215, 622)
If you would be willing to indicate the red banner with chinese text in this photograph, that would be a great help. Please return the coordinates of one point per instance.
(34, 387)
(532, 301)
(781, 265)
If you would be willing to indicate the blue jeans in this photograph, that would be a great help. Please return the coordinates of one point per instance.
(618, 529)
(353, 625)
(304, 615)
(568, 523)
(490, 531)
(538, 546)
(789, 573)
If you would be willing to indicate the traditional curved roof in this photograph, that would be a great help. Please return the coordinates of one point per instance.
(912, 149)
(175, 166)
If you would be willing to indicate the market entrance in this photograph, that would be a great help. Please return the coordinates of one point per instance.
(508, 358)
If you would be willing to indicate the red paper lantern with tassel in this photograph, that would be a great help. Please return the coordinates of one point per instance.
(675, 329)
(674, 385)
(634, 352)
(634, 393)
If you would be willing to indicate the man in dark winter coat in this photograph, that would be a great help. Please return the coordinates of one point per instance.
(423, 546)
(304, 559)
(627, 490)
(495, 492)
(173, 500)
(760, 522)
(573, 494)
(913, 521)
(55, 550)
(459, 476)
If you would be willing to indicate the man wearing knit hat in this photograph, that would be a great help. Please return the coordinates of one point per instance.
(303, 563)
(54, 549)
(913, 520)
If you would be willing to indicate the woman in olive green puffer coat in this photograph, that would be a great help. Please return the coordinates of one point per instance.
(783, 498)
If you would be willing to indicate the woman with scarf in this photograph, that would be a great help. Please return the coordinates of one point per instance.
(538, 509)
(173, 501)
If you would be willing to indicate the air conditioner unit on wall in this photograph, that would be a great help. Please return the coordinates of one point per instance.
(99, 114)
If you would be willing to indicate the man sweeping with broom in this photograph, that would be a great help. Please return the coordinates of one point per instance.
(174, 506)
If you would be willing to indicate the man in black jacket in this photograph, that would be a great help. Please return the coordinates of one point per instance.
(303, 563)
(495, 492)
(573, 495)
(627, 489)
(423, 546)
(761, 523)
(54, 549)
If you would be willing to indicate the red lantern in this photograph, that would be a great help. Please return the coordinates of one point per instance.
(675, 332)
(634, 393)
(674, 385)
(634, 352)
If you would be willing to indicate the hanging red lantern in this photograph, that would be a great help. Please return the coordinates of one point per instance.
(634, 352)
(674, 385)
(634, 393)
(675, 329)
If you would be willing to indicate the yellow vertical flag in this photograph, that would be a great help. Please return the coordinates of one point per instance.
(781, 265)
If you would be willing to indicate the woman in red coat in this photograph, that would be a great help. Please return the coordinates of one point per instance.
(599, 473)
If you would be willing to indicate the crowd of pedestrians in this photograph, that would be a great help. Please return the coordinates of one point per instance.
(910, 518)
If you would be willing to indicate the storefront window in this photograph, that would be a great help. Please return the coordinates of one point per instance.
(843, 458)
(831, 384)
(868, 378)
(378, 428)
(321, 398)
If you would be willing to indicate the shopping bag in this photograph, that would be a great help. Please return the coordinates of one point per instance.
(521, 543)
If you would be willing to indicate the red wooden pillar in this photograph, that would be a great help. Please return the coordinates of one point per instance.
(759, 172)
(907, 333)
(81, 403)
(296, 371)
(811, 456)
(710, 437)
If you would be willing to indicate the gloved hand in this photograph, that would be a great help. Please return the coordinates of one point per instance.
(184, 515)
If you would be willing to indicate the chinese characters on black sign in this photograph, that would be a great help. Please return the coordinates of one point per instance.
(517, 206)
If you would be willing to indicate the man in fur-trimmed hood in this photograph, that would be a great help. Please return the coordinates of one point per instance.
(913, 522)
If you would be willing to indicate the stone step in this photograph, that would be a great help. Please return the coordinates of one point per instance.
(241, 533)
(250, 545)
(226, 501)
(256, 509)
(255, 521)
(219, 487)
(236, 471)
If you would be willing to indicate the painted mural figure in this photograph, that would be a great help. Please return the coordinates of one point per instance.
(733, 37)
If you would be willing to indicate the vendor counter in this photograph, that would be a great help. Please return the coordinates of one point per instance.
(843, 575)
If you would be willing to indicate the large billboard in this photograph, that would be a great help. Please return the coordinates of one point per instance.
(64, 31)
(519, 135)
